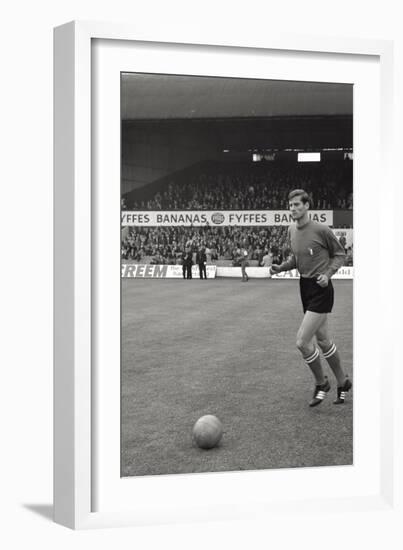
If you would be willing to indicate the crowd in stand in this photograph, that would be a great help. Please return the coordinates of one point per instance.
(165, 245)
(235, 188)
(329, 186)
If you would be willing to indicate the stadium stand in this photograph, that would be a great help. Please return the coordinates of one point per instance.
(232, 186)
(164, 245)
(248, 186)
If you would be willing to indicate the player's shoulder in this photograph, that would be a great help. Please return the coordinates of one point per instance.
(320, 228)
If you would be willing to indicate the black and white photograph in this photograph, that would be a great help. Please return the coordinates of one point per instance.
(177, 393)
(236, 274)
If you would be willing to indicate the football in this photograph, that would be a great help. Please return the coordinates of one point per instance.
(207, 431)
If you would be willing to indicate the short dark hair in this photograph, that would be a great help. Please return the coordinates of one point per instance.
(299, 193)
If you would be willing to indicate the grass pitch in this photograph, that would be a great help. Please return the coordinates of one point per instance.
(226, 348)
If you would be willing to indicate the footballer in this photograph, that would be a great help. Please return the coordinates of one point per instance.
(317, 254)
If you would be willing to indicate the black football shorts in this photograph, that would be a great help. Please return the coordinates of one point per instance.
(314, 297)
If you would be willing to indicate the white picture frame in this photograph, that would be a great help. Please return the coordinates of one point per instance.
(77, 422)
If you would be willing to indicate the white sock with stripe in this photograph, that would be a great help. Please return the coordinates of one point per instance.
(331, 351)
(311, 358)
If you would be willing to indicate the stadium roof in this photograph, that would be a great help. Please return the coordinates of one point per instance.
(148, 96)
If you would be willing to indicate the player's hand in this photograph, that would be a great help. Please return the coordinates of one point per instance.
(323, 280)
(274, 269)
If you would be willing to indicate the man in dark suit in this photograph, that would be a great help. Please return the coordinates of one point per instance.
(183, 260)
(187, 263)
(201, 260)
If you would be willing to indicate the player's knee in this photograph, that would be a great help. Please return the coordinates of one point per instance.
(323, 343)
(302, 345)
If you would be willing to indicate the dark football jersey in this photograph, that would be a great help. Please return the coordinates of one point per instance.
(316, 250)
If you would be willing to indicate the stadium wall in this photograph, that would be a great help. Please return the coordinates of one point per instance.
(263, 273)
(150, 271)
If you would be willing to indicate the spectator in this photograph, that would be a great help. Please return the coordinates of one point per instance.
(267, 259)
(349, 257)
(201, 260)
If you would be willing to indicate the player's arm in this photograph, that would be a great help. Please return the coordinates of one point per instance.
(336, 254)
(337, 257)
(285, 266)
(288, 264)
